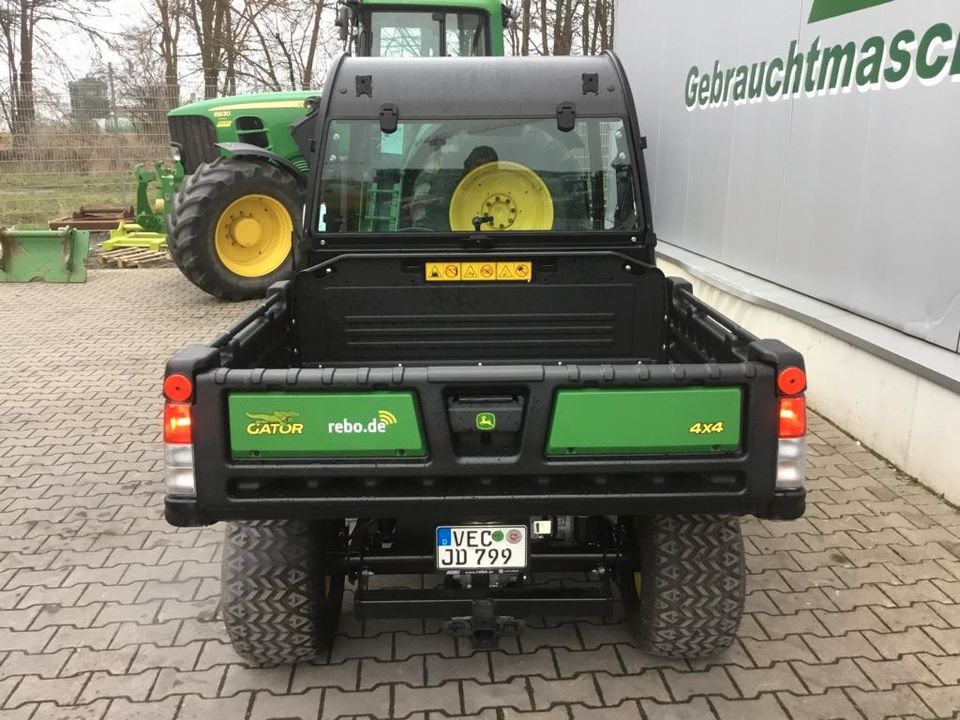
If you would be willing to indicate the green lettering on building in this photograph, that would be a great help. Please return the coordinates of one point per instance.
(931, 56)
(826, 9)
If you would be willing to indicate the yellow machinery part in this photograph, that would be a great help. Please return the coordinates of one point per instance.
(254, 235)
(513, 195)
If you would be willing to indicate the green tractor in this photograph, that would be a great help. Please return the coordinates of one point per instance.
(233, 224)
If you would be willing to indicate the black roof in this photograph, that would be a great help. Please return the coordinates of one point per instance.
(476, 87)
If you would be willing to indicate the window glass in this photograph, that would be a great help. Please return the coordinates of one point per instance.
(488, 175)
(427, 34)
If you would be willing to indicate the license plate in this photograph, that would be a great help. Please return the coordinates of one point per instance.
(482, 547)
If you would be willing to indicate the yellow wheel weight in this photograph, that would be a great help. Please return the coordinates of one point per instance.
(510, 193)
(254, 235)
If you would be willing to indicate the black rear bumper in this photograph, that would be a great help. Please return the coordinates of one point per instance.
(786, 505)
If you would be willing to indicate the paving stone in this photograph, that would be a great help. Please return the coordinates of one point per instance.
(911, 640)
(882, 704)
(115, 662)
(886, 674)
(778, 627)
(754, 682)
(63, 691)
(715, 681)
(478, 696)
(767, 652)
(842, 622)
(840, 674)
(763, 708)
(648, 684)
(406, 700)
(275, 680)
(410, 671)
(696, 709)
(949, 639)
(851, 645)
(52, 711)
(205, 683)
(133, 687)
(947, 668)
(561, 712)
(832, 705)
(31, 641)
(150, 656)
(267, 706)
(540, 663)
(46, 665)
(571, 663)
(943, 701)
(917, 615)
(550, 692)
(197, 708)
(95, 638)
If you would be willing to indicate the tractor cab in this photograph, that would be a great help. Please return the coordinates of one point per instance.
(392, 29)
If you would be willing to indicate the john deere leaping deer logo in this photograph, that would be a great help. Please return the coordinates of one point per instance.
(275, 423)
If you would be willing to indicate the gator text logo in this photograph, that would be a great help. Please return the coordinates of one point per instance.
(275, 423)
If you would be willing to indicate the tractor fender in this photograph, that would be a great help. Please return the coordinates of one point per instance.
(238, 149)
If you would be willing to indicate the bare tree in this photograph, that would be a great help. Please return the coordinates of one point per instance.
(22, 25)
(208, 20)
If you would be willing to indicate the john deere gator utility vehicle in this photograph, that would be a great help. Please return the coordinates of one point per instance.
(232, 226)
(477, 374)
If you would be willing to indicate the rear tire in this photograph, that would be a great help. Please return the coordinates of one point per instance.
(692, 580)
(197, 209)
(280, 604)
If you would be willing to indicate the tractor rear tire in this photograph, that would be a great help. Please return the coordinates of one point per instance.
(280, 604)
(198, 222)
(685, 599)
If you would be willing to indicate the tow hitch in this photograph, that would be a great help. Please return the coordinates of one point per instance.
(484, 627)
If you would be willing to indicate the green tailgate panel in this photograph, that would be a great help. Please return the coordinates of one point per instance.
(619, 422)
(278, 425)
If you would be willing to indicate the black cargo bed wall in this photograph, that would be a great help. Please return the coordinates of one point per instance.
(580, 307)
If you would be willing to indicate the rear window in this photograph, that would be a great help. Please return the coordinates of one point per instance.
(467, 175)
(428, 34)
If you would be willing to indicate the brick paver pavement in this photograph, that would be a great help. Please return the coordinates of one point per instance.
(107, 612)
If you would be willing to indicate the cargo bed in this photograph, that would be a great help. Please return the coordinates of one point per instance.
(400, 437)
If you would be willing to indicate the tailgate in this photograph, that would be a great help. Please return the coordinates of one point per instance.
(583, 422)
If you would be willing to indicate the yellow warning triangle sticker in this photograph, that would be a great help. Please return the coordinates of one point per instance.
(505, 272)
(435, 273)
(470, 272)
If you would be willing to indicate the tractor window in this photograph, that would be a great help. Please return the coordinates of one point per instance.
(467, 175)
(427, 34)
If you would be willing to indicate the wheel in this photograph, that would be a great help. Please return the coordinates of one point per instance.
(684, 597)
(506, 195)
(234, 225)
(279, 603)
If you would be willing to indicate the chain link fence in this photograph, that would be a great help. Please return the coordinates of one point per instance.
(78, 149)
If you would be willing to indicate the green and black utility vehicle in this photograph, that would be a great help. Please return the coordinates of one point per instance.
(479, 375)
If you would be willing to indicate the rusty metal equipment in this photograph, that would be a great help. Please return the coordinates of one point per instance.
(57, 256)
(95, 218)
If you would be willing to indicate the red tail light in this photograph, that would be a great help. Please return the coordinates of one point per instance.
(792, 381)
(793, 417)
(177, 387)
(176, 423)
